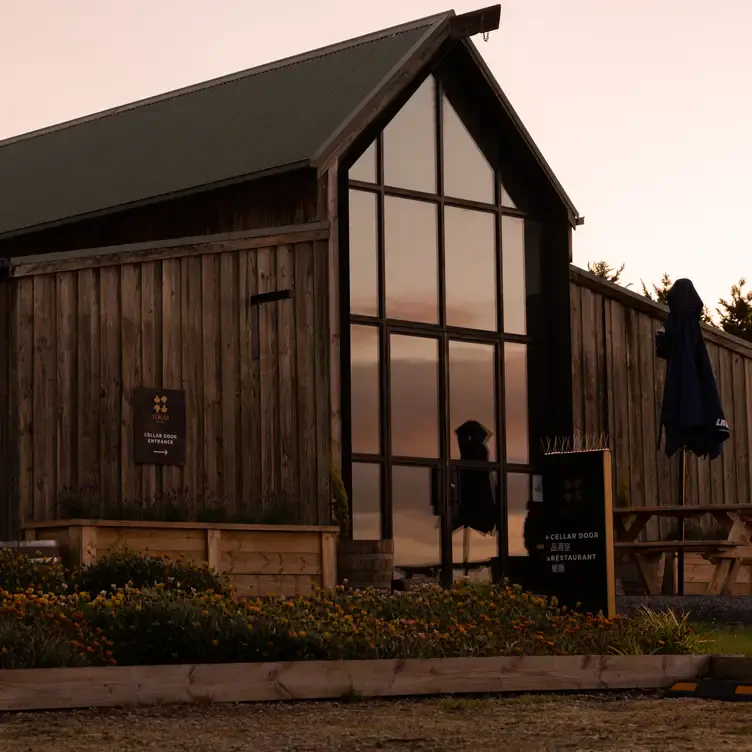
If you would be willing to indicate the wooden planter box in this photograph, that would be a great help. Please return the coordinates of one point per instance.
(112, 686)
(259, 559)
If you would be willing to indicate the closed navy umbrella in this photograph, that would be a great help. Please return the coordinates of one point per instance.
(691, 415)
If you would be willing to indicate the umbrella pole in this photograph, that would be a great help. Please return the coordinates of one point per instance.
(681, 500)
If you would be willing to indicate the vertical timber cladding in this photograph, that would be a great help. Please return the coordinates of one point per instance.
(618, 389)
(90, 330)
(7, 514)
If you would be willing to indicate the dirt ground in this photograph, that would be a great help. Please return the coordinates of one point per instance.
(530, 723)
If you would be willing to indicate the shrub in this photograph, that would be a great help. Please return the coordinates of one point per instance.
(82, 502)
(123, 568)
(21, 572)
(154, 611)
(159, 626)
(659, 632)
(39, 630)
(87, 502)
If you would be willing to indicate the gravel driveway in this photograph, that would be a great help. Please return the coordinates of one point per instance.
(631, 723)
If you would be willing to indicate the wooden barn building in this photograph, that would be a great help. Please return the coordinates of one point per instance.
(355, 256)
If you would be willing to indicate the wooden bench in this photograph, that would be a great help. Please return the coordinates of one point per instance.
(728, 555)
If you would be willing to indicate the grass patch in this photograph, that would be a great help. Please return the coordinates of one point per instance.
(462, 704)
(725, 640)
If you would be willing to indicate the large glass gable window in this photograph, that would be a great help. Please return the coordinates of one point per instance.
(438, 395)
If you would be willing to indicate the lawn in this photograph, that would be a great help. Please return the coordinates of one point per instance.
(726, 640)
(636, 723)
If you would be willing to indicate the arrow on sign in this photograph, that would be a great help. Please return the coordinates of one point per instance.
(160, 451)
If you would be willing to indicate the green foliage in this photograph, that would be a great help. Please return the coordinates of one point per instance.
(86, 502)
(82, 502)
(123, 568)
(736, 312)
(40, 630)
(604, 270)
(659, 632)
(19, 572)
(659, 293)
(726, 640)
(167, 624)
(132, 610)
(340, 503)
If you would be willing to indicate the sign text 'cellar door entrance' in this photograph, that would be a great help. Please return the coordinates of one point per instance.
(159, 426)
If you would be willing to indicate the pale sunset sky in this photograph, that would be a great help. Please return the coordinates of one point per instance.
(643, 108)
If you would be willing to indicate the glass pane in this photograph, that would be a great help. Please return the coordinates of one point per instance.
(470, 268)
(411, 259)
(506, 199)
(472, 401)
(364, 258)
(410, 143)
(515, 387)
(513, 265)
(417, 529)
(414, 383)
(467, 173)
(475, 525)
(364, 381)
(518, 496)
(366, 501)
(365, 168)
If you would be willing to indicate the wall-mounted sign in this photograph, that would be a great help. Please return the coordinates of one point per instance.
(575, 558)
(159, 426)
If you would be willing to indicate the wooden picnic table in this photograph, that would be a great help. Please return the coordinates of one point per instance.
(728, 555)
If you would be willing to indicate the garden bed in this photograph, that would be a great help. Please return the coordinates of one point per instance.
(112, 686)
(137, 629)
(258, 559)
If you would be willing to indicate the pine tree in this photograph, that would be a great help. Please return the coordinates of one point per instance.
(660, 295)
(604, 270)
(736, 313)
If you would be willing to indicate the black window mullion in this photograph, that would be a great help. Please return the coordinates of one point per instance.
(440, 191)
(445, 453)
(387, 526)
(501, 448)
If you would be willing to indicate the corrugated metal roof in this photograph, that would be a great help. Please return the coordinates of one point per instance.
(266, 118)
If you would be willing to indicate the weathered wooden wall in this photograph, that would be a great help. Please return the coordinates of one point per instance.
(5, 455)
(87, 330)
(274, 201)
(618, 390)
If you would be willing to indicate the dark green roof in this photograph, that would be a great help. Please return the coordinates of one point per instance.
(274, 117)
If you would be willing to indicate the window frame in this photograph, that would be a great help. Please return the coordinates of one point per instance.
(444, 465)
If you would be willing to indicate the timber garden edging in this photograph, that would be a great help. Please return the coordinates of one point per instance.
(114, 686)
(258, 559)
